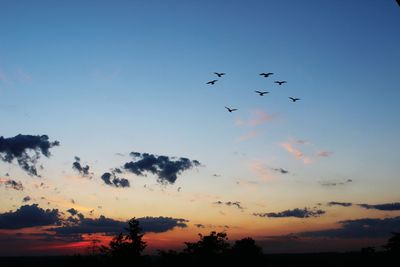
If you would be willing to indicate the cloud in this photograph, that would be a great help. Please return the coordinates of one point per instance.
(167, 169)
(81, 225)
(280, 170)
(261, 170)
(83, 170)
(26, 199)
(335, 183)
(249, 135)
(359, 228)
(72, 211)
(161, 224)
(257, 117)
(202, 226)
(343, 204)
(9, 183)
(113, 180)
(297, 213)
(385, 206)
(236, 204)
(313, 153)
(29, 216)
(296, 153)
(18, 148)
(324, 154)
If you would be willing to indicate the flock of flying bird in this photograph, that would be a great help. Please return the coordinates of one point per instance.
(261, 93)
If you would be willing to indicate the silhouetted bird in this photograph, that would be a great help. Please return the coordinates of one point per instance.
(294, 99)
(280, 82)
(212, 82)
(261, 93)
(231, 109)
(219, 74)
(266, 74)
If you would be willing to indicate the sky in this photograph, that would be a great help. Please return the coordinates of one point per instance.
(106, 115)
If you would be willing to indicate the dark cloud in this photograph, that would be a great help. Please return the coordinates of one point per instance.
(161, 224)
(236, 204)
(166, 168)
(26, 149)
(202, 226)
(335, 183)
(280, 170)
(9, 183)
(385, 206)
(359, 228)
(26, 199)
(81, 225)
(297, 213)
(29, 216)
(343, 204)
(72, 211)
(113, 180)
(83, 170)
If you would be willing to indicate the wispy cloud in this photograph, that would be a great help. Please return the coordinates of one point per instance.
(343, 204)
(298, 147)
(236, 204)
(9, 183)
(257, 117)
(335, 183)
(324, 154)
(297, 153)
(249, 135)
(385, 206)
(261, 170)
(297, 213)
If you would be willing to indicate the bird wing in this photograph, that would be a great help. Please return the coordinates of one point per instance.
(258, 92)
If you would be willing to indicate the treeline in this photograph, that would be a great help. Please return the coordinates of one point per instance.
(126, 249)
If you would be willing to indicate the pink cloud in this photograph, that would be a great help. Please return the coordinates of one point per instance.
(249, 135)
(296, 153)
(257, 117)
(261, 170)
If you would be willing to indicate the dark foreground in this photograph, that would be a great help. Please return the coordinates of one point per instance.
(274, 260)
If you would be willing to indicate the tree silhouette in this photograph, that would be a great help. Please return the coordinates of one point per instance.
(127, 246)
(393, 244)
(245, 250)
(209, 245)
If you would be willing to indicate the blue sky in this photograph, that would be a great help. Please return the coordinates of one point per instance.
(106, 77)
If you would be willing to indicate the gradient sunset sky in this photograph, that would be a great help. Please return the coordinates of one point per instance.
(107, 78)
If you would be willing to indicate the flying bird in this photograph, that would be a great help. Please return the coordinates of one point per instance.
(261, 93)
(294, 99)
(212, 82)
(280, 82)
(266, 74)
(219, 74)
(231, 109)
